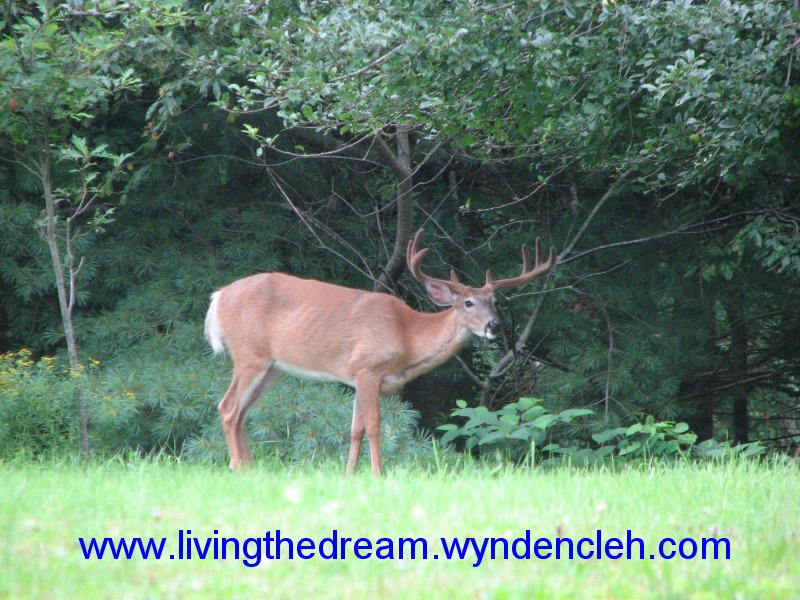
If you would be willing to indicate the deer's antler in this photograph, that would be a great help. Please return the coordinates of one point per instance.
(527, 274)
(414, 258)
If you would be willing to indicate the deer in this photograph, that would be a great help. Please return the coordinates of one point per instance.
(274, 324)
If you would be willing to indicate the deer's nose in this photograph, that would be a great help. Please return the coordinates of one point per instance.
(493, 327)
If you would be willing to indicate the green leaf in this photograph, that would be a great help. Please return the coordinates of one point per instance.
(533, 412)
(605, 450)
(451, 435)
(513, 419)
(632, 448)
(520, 433)
(544, 421)
(571, 413)
(526, 403)
(494, 436)
(634, 429)
(608, 434)
(80, 144)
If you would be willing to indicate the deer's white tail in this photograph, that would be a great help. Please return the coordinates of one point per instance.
(213, 331)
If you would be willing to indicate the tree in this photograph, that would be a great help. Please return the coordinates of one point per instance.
(58, 75)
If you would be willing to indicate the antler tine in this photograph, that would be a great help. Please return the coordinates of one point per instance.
(414, 258)
(527, 274)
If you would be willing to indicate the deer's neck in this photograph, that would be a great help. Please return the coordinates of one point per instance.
(434, 338)
(442, 337)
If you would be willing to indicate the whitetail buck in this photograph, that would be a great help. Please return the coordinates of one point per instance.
(274, 323)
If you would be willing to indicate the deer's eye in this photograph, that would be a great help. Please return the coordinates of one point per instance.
(469, 303)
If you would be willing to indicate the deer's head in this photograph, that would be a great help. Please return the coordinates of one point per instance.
(475, 307)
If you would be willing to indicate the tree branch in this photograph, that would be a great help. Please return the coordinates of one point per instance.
(366, 68)
(590, 217)
(305, 220)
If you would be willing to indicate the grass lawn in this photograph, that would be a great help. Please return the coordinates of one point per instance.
(44, 509)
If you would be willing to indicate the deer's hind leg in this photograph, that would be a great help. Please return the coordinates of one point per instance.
(248, 385)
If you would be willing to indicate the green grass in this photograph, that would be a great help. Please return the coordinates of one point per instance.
(45, 508)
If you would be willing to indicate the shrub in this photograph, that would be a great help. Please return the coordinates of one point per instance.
(512, 430)
(525, 430)
(150, 403)
(37, 405)
(305, 422)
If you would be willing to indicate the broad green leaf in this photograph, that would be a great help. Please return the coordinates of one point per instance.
(632, 448)
(80, 144)
(634, 429)
(451, 435)
(544, 421)
(512, 419)
(494, 436)
(571, 413)
(608, 434)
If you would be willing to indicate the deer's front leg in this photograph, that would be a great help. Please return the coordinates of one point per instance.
(366, 418)
(356, 435)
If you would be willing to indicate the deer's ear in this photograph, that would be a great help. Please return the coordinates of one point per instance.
(440, 293)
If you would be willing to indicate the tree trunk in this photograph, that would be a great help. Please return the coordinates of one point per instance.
(738, 354)
(692, 389)
(65, 293)
(400, 163)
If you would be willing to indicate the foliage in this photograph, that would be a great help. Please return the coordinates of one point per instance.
(771, 239)
(649, 439)
(643, 87)
(525, 431)
(57, 75)
(37, 411)
(725, 451)
(308, 423)
(513, 429)
(159, 406)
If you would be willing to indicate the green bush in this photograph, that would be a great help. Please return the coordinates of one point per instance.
(37, 405)
(301, 421)
(149, 402)
(526, 431)
(153, 403)
(512, 430)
